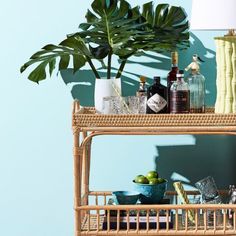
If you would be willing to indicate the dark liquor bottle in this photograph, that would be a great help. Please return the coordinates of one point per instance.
(180, 95)
(171, 78)
(156, 97)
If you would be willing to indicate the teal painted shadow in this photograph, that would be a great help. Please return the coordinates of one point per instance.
(211, 155)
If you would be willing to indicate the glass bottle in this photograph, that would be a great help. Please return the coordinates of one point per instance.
(179, 95)
(142, 91)
(142, 95)
(171, 78)
(156, 97)
(196, 82)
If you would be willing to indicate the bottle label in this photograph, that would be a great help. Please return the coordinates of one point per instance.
(156, 103)
(179, 101)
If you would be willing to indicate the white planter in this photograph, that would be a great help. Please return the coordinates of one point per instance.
(104, 88)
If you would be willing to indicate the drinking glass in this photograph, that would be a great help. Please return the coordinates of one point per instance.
(210, 195)
(207, 187)
(136, 104)
(112, 105)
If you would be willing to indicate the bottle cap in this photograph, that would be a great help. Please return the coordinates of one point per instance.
(142, 79)
(157, 79)
(180, 73)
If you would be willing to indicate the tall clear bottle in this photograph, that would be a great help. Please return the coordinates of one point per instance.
(196, 82)
(156, 97)
(171, 78)
(179, 95)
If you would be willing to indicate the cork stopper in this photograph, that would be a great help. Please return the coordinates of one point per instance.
(174, 58)
(142, 79)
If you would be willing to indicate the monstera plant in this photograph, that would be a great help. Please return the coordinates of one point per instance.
(113, 27)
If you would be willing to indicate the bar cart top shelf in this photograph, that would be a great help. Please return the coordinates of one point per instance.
(86, 119)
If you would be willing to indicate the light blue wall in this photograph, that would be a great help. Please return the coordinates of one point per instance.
(36, 174)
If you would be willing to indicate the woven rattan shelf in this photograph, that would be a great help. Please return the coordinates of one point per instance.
(86, 124)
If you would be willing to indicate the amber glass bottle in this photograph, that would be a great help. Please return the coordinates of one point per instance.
(171, 78)
(180, 95)
(142, 91)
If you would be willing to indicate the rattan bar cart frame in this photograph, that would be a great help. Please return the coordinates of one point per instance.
(86, 124)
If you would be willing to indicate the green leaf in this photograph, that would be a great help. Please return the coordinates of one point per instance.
(148, 11)
(102, 7)
(90, 17)
(124, 8)
(98, 6)
(50, 47)
(100, 52)
(39, 73)
(160, 14)
(38, 54)
(64, 62)
(52, 64)
(36, 60)
(168, 28)
(75, 42)
(78, 62)
(23, 68)
(84, 26)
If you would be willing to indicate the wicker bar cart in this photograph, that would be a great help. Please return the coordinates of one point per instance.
(94, 215)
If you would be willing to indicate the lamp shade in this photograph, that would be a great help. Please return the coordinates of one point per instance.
(213, 15)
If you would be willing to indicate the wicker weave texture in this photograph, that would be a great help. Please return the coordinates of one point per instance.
(88, 118)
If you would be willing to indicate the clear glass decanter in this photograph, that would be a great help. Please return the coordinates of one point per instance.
(196, 82)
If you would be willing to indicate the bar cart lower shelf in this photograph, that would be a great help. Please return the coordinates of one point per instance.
(94, 215)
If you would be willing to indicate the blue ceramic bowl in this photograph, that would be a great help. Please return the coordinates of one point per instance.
(151, 193)
(125, 197)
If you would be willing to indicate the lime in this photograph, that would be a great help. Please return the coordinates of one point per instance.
(154, 181)
(152, 174)
(161, 180)
(141, 179)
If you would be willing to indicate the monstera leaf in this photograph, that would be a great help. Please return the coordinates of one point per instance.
(169, 26)
(112, 26)
(71, 49)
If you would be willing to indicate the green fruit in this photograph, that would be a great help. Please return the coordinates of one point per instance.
(137, 177)
(161, 180)
(141, 179)
(154, 181)
(152, 174)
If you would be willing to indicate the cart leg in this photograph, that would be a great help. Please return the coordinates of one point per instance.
(77, 183)
(86, 170)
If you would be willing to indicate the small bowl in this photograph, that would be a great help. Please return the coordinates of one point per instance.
(125, 197)
(151, 193)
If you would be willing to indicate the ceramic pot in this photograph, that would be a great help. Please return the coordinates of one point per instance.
(104, 88)
(151, 193)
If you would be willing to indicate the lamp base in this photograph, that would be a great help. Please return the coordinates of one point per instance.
(226, 74)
